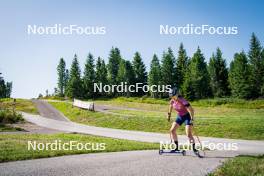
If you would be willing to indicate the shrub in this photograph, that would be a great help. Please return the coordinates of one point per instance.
(8, 116)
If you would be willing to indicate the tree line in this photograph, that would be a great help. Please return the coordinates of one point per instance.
(5, 88)
(196, 79)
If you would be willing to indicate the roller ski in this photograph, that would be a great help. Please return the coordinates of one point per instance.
(182, 152)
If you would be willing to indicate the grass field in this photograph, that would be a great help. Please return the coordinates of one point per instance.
(7, 128)
(242, 166)
(224, 102)
(14, 146)
(20, 105)
(216, 121)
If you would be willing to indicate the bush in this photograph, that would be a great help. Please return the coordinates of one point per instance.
(8, 116)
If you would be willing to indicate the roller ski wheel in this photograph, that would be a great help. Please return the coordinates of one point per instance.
(197, 153)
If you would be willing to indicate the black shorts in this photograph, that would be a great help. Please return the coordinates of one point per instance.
(185, 118)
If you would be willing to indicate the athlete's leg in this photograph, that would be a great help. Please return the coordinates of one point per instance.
(173, 133)
(188, 129)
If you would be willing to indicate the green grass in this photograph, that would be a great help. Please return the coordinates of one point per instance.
(216, 121)
(7, 128)
(224, 102)
(15, 146)
(242, 166)
(20, 105)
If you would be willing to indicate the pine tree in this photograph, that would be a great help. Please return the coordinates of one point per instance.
(121, 71)
(101, 74)
(114, 60)
(181, 66)
(2, 87)
(256, 66)
(74, 86)
(67, 77)
(196, 81)
(154, 77)
(5, 88)
(239, 76)
(61, 70)
(89, 77)
(140, 72)
(262, 87)
(126, 75)
(167, 69)
(218, 75)
(8, 91)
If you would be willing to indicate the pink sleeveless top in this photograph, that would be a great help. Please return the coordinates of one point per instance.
(180, 106)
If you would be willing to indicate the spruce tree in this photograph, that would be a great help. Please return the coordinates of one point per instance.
(262, 87)
(140, 71)
(154, 77)
(256, 66)
(89, 77)
(67, 77)
(130, 76)
(100, 74)
(239, 76)
(113, 65)
(196, 81)
(167, 69)
(126, 75)
(74, 86)
(8, 91)
(181, 66)
(218, 75)
(61, 70)
(5, 88)
(2, 87)
(121, 71)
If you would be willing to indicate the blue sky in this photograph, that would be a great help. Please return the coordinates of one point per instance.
(30, 61)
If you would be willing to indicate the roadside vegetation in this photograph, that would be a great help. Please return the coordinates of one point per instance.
(24, 105)
(241, 165)
(15, 146)
(9, 112)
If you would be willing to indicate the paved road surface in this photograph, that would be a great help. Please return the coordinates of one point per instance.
(244, 146)
(121, 163)
(46, 110)
(118, 163)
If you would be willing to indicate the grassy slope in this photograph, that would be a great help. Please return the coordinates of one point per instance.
(14, 146)
(226, 102)
(217, 121)
(242, 166)
(20, 105)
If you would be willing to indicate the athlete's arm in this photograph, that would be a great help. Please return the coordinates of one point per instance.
(169, 112)
(191, 111)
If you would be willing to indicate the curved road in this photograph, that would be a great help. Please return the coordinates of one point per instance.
(134, 163)
(46, 110)
(121, 163)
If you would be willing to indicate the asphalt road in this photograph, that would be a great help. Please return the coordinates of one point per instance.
(46, 110)
(244, 146)
(117, 163)
(121, 163)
